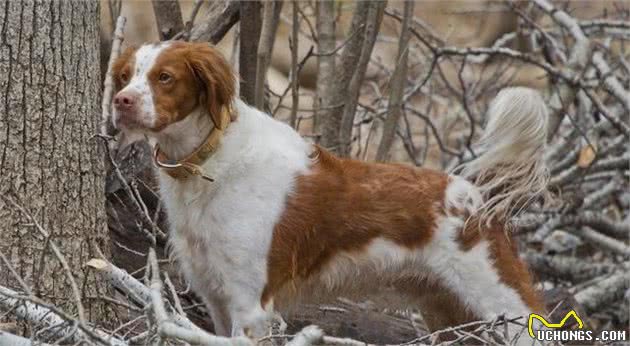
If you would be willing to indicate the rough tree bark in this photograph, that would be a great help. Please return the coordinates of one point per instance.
(168, 16)
(49, 163)
(329, 121)
(250, 34)
(325, 64)
(222, 15)
(269, 27)
(372, 27)
(397, 87)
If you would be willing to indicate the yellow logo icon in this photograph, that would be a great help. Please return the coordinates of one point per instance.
(552, 325)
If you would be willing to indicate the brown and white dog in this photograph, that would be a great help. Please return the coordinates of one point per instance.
(261, 219)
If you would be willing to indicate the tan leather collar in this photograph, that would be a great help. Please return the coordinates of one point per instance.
(191, 165)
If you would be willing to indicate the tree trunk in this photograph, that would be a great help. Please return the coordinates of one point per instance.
(50, 166)
(325, 66)
(397, 87)
(168, 15)
(330, 114)
(250, 35)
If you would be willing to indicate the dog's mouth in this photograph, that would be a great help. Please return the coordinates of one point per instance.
(126, 121)
(130, 129)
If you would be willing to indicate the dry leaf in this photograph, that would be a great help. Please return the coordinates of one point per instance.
(587, 155)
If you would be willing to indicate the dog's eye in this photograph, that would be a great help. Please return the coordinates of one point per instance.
(165, 77)
(124, 77)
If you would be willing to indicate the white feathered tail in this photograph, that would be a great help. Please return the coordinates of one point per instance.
(510, 170)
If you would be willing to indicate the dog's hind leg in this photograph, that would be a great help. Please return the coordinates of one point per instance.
(482, 272)
(477, 264)
(440, 308)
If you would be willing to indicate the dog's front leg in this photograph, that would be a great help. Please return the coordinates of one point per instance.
(218, 310)
(248, 316)
(244, 281)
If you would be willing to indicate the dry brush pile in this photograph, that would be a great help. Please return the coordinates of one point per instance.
(426, 108)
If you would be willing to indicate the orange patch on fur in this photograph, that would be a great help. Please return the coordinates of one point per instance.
(200, 75)
(122, 69)
(344, 204)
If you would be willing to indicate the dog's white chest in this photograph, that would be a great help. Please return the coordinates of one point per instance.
(221, 232)
(197, 238)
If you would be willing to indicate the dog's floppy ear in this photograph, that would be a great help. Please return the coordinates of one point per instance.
(122, 63)
(216, 77)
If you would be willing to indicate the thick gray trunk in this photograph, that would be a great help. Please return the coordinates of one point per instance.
(49, 164)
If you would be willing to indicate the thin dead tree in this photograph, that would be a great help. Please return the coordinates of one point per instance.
(397, 86)
(250, 26)
(374, 18)
(295, 84)
(270, 20)
(330, 120)
(325, 63)
(168, 16)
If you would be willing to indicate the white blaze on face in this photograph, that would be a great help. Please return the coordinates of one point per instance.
(145, 58)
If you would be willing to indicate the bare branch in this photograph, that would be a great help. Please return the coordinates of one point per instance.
(602, 241)
(14, 340)
(60, 257)
(567, 176)
(223, 14)
(108, 84)
(167, 329)
(577, 61)
(137, 291)
(32, 309)
(566, 267)
(138, 204)
(309, 335)
(611, 82)
(191, 20)
(604, 291)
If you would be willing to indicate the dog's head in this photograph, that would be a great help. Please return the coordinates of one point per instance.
(161, 84)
